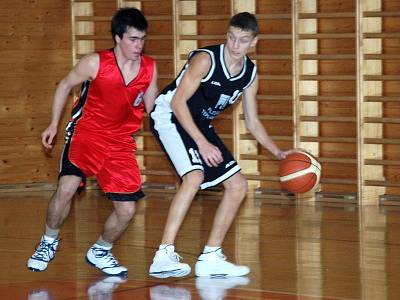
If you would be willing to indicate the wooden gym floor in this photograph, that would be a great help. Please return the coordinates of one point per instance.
(301, 250)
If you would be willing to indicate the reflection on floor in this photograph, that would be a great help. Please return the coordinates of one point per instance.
(300, 251)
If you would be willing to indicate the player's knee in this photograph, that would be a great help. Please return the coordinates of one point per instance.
(65, 192)
(67, 187)
(193, 179)
(126, 211)
(239, 186)
(242, 186)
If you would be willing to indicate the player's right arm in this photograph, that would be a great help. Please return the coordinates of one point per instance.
(85, 69)
(198, 68)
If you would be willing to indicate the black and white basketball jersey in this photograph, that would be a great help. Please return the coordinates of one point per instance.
(218, 89)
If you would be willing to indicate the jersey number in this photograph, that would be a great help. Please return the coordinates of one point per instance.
(195, 156)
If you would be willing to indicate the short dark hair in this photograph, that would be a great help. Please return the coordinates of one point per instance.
(245, 21)
(127, 17)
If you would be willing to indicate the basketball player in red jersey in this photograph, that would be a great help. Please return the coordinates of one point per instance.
(118, 84)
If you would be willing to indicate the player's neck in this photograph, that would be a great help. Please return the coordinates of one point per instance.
(233, 64)
(128, 67)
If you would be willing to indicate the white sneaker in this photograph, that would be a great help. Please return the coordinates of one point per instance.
(39, 295)
(166, 264)
(215, 288)
(164, 292)
(104, 288)
(215, 264)
(44, 253)
(102, 258)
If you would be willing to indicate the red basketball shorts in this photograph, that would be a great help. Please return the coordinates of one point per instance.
(113, 163)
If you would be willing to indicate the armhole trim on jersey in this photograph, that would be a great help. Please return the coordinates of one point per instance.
(151, 66)
(99, 54)
(253, 76)
(212, 68)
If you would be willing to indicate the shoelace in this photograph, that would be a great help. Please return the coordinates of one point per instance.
(45, 250)
(106, 255)
(174, 256)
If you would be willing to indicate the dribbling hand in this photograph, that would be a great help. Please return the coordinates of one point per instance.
(282, 154)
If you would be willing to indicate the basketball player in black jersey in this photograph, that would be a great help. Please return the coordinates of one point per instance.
(212, 80)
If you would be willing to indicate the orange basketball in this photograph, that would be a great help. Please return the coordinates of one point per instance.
(299, 172)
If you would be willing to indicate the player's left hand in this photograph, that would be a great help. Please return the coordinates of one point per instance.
(282, 154)
(210, 153)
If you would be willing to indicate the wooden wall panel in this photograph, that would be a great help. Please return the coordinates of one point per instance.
(382, 36)
(211, 7)
(320, 88)
(336, 170)
(35, 53)
(328, 89)
(277, 47)
(274, 6)
(391, 109)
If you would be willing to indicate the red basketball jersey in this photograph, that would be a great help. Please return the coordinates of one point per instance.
(110, 107)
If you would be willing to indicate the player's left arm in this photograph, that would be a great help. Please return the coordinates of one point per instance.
(151, 92)
(254, 124)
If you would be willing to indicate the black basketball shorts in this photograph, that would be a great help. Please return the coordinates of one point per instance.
(184, 154)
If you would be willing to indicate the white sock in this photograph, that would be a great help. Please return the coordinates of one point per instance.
(208, 249)
(163, 246)
(51, 233)
(103, 243)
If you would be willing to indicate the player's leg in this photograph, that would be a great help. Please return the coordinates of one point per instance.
(212, 261)
(100, 253)
(58, 210)
(235, 189)
(180, 205)
(60, 203)
(183, 154)
(166, 262)
(118, 220)
(123, 193)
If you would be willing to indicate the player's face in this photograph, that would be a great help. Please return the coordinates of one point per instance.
(239, 42)
(132, 43)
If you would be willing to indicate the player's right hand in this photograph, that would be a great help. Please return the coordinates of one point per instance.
(48, 136)
(210, 154)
